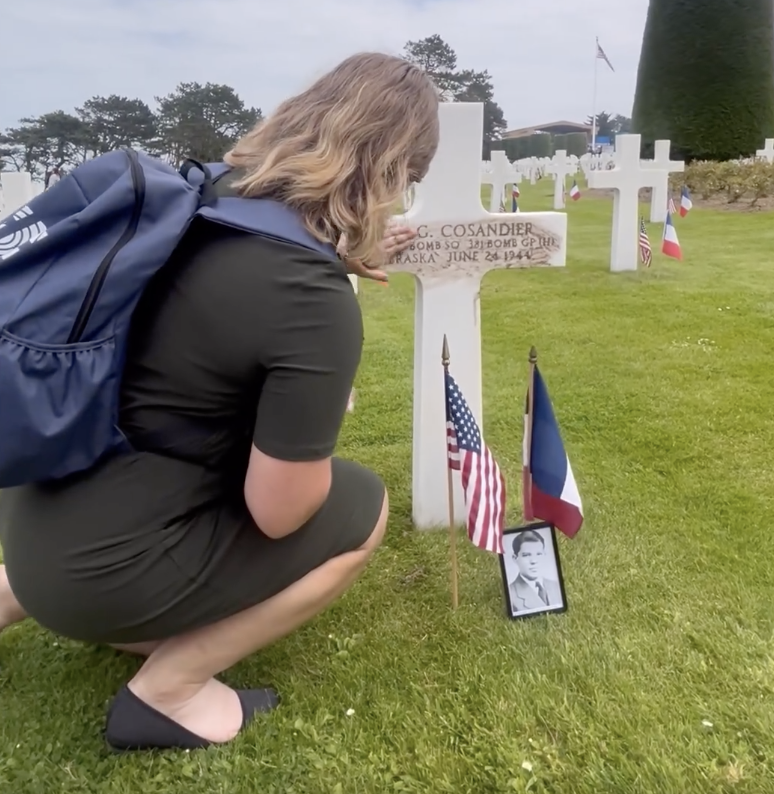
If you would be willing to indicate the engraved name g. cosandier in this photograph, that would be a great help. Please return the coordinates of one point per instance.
(465, 248)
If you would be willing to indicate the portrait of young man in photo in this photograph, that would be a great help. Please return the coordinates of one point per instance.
(533, 580)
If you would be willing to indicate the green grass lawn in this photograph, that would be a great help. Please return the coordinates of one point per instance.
(659, 679)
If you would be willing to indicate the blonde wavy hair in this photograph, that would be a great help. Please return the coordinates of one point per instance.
(343, 151)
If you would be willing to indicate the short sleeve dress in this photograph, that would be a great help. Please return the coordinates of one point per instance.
(239, 340)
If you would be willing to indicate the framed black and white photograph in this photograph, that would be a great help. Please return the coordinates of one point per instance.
(532, 573)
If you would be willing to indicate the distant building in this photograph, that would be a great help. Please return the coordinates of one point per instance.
(554, 128)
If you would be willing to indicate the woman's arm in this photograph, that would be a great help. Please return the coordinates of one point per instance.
(311, 354)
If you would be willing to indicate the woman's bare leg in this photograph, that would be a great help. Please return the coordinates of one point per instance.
(10, 609)
(178, 677)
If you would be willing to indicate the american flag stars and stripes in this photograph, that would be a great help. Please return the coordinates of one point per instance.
(603, 57)
(646, 252)
(671, 208)
(482, 482)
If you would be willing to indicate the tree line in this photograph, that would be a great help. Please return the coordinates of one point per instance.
(201, 120)
(195, 120)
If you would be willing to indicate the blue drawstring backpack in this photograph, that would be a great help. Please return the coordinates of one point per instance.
(73, 265)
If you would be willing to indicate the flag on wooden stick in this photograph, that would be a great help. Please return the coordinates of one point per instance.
(670, 245)
(686, 204)
(646, 252)
(550, 491)
(482, 482)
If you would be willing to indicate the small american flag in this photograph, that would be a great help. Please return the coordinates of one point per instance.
(646, 252)
(601, 56)
(671, 209)
(482, 481)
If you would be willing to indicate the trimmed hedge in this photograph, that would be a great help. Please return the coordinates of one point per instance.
(543, 145)
(706, 78)
(734, 181)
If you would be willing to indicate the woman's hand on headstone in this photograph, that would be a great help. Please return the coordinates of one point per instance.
(396, 239)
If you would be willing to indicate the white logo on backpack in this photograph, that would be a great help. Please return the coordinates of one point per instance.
(11, 243)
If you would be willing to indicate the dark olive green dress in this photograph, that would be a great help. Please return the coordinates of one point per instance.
(240, 340)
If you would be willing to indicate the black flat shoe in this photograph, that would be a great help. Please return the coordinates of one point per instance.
(134, 725)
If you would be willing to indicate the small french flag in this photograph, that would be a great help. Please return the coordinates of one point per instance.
(575, 193)
(670, 245)
(515, 199)
(550, 491)
(686, 205)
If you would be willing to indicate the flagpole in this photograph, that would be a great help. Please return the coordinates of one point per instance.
(445, 359)
(527, 484)
(594, 100)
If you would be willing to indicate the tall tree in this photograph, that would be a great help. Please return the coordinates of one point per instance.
(38, 145)
(605, 124)
(115, 121)
(706, 77)
(201, 121)
(439, 60)
(623, 124)
(608, 125)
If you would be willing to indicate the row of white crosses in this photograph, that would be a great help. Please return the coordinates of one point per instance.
(530, 167)
(596, 162)
(447, 211)
(499, 172)
(622, 171)
(627, 178)
(560, 167)
(662, 166)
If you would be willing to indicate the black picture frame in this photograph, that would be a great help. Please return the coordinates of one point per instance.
(522, 600)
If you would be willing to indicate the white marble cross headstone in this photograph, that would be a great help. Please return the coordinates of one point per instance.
(458, 241)
(500, 174)
(17, 191)
(626, 178)
(767, 152)
(560, 167)
(533, 171)
(662, 165)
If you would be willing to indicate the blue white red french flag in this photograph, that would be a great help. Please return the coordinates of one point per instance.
(686, 205)
(550, 491)
(670, 245)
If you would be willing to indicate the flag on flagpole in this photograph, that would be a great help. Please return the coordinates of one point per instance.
(670, 245)
(515, 193)
(482, 482)
(601, 56)
(646, 252)
(671, 208)
(575, 193)
(686, 205)
(550, 493)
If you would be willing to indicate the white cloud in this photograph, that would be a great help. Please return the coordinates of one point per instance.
(540, 53)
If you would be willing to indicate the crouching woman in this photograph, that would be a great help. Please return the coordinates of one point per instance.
(231, 523)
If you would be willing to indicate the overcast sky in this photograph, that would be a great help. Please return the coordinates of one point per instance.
(540, 53)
